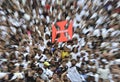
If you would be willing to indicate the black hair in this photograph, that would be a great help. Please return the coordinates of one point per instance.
(39, 69)
(44, 52)
(73, 60)
(40, 38)
(74, 48)
(49, 44)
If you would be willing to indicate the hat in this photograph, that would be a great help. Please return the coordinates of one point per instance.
(46, 63)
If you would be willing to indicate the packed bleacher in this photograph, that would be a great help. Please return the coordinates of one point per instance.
(27, 53)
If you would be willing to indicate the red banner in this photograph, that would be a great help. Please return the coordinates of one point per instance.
(65, 34)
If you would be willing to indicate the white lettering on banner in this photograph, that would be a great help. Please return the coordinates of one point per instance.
(62, 31)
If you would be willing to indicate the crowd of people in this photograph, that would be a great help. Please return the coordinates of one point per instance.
(28, 55)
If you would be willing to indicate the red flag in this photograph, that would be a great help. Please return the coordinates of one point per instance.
(62, 31)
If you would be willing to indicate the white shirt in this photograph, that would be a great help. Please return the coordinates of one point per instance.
(81, 2)
(27, 49)
(104, 33)
(17, 75)
(96, 32)
(2, 74)
(115, 33)
(82, 42)
(115, 44)
(78, 64)
(48, 72)
(68, 64)
(105, 44)
(74, 75)
(43, 2)
(41, 58)
(100, 20)
(78, 17)
(74, 55)
(41, 47)
(23, 2)
(13, 29)
(104, 73)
